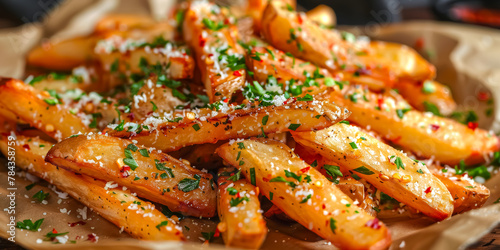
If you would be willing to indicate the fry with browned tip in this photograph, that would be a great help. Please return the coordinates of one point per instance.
(210, 125)
(152, 175)
(305, 194)
(241, 222)
(386, 168)
(137, 217)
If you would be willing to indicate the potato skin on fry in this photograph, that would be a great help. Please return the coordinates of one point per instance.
(261, 161)
(386, 168)
(29, 105)
(114, 204)
(103, 157)
(241, 225)
(235, 123)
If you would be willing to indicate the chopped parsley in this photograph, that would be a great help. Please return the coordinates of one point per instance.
(333, 172)
(294, 126)
(306, 198)
(265, 119)
(353, 145)
(162, 224)
(401, 112)
(235, 202)
(364, 170)
(29, 225)
(235, 177)
(187, 184)
(129, 158)
(332, 225)
(252, 176)
(213, 25)
(196, 127)
(40, 196)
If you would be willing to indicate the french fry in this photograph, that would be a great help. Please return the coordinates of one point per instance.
(219, 57)
(241, 222)
(276, 63)
(255, 8)
(113, 22)
(33, 107)
(63, 55)
(429, 91)
(322, 15)
(384, 167)
(292, 31)
(176, 61)
(426, 135)
(208, 126)
(152, 175)
(113, 203)
(467, 194)
(305, 195)
(375, 64)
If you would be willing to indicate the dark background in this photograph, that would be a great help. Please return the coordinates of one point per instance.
(349, 12)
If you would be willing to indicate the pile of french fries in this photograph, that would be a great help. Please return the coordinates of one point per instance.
(217, 109)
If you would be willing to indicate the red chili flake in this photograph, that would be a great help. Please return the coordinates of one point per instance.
(217, 232)
(265, 179)
(380, 102)
(26, 146)
(434, 127)
(323, 206)
(305, 170)
(472, 125)
(419, 44)
(373, 223)
(77, 223)
(483, 96)
(124, 171)
(131, 116)
(290, 100)
(238, 195)
(299, 18)
(226, 100)
(226, 21)
(237, 73)
(202, 41)
(428, 190)
(92, 237)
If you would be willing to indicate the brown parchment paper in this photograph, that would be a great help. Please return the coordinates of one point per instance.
(467, 59)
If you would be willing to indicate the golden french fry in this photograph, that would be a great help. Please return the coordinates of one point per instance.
(152, 175)
(241, 222)
(208, 29)
(40, 110)
(137, 217)
(176, 61)
(210, 126)
(121, 22)
(429, 91)
(426, 135)
(63, 55)
(322, 15)
(305, 194)
(384, 167)
(467, 194)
